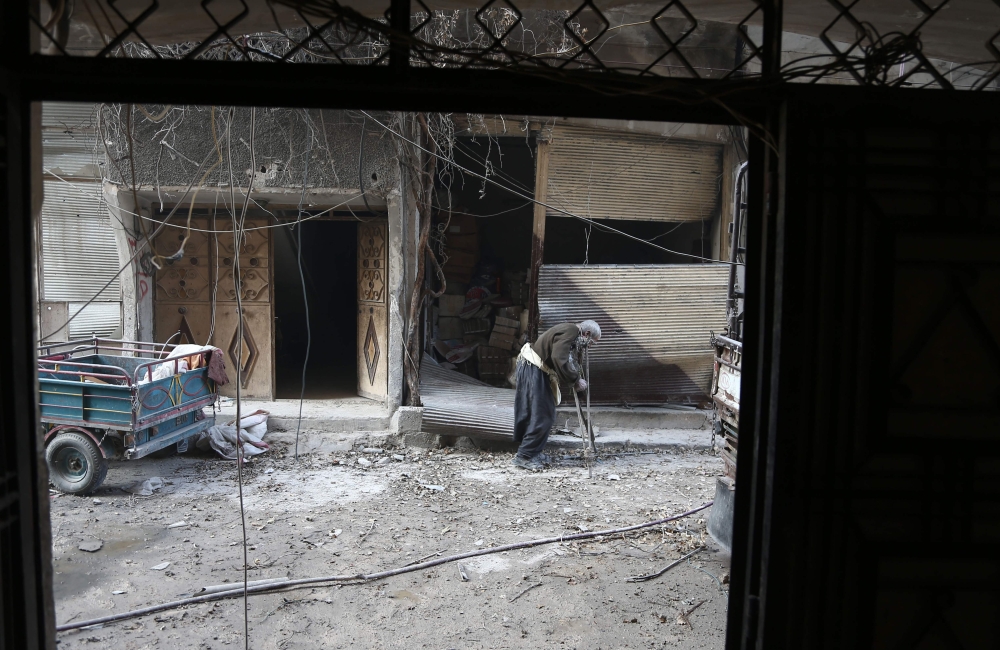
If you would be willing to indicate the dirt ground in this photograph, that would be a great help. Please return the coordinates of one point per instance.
(329, 514)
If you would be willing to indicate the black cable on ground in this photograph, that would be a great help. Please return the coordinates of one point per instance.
(362, 578)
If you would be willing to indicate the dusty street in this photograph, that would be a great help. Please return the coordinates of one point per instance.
(329, 514)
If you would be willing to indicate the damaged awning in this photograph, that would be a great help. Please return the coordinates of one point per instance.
(458, 405)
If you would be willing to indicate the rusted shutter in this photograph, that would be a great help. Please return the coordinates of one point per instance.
(614, 175)
(655, 320)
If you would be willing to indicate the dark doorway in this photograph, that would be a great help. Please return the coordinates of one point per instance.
(329, 264)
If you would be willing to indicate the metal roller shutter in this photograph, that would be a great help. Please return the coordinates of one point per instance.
(78, 245)
(98, 319)
(655, 322)
(79, 255)
(613, 175)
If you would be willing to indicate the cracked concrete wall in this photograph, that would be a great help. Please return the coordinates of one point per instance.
(320, 147)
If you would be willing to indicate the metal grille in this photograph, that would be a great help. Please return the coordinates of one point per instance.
(914, 43)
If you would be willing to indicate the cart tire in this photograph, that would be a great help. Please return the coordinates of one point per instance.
(76, 464)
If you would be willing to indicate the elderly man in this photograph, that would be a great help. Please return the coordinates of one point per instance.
(540, 369)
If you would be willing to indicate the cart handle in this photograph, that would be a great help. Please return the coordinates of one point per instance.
(159, 350)
(61, 367)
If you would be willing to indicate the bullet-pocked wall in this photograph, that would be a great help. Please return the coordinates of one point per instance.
(291, 147)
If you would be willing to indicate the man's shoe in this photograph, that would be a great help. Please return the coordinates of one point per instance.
(544, 459)
(532, 464)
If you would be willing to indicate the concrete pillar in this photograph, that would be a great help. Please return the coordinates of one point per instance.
(136, 282)
(396, 288)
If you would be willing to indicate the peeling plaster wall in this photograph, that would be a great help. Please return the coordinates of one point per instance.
(286, 142)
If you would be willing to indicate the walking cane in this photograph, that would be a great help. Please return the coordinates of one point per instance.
(590, 421)
(584, 436)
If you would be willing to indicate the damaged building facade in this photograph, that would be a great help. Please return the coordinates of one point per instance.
(534, 222)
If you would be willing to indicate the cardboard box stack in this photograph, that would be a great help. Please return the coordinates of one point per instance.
(505, 331)
(449, 325)
(494, 364)
(461, 247)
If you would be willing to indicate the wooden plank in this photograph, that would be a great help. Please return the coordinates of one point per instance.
(537, 234)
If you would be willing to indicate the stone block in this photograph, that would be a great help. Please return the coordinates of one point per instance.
(407, 419)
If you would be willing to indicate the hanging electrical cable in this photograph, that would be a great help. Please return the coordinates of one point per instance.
(543, 204)
(342, 204)
(361, 160)
(138, 250)
(238, 235)
(302, 277)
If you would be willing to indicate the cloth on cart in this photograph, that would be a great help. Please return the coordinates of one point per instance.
(189, 357)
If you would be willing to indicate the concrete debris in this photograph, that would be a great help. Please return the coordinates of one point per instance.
(311, 518)
(383, 461)
(372, 450)
(119, 592)
(364, 462)
(399, 457)
(178, 524)
(147, 487)
(91, 545)
(614, 477)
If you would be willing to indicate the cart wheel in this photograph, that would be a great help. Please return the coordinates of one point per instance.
(76, 465)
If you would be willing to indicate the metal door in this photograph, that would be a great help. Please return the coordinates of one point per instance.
(373, 321)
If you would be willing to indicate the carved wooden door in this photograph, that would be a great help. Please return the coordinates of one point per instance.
(182, 288)
(184, 299)
(373, 321)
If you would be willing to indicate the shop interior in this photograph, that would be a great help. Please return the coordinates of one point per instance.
(329, 266)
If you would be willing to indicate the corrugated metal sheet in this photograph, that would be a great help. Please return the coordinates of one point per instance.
(71, 155)
(69, 115)
(655, 322)
(69, 140)
(78, 246)
(458, 405)
(100, 318)
(614, 175)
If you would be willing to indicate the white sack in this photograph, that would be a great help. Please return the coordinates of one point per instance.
(222, 438)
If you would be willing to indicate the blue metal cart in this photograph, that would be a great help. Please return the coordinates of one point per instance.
(101, 399)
